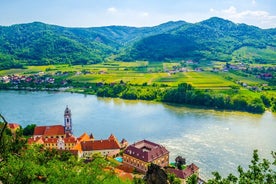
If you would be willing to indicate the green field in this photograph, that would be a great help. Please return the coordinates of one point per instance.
(140, 72)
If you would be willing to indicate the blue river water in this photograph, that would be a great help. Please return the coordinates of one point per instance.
(213, 140)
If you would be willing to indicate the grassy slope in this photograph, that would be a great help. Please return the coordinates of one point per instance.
(267, 55)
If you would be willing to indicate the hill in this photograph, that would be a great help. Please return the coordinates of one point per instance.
(213, 39)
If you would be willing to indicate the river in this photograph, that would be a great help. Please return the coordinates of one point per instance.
(213, 140)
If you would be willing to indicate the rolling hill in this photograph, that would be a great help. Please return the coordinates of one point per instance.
(213, 39)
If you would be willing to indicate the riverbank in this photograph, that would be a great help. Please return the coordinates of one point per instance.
(214, 140)
(184, 94)
(148, 81)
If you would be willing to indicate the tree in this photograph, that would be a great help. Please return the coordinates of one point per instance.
(179, 161)
(258, 172)
(266, 101)
(156, 175)
(29, 130)
(3, 128)
(173, 180)
(20, 163)
(192, 179)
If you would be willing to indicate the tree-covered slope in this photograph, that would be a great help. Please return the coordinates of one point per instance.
(124, 35)
(38, 43)
(213, 39)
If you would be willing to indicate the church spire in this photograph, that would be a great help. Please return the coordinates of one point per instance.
(68, 120)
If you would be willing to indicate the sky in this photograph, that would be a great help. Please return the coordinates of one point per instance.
(138, 13)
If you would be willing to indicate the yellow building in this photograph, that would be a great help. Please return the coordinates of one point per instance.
(139, 155)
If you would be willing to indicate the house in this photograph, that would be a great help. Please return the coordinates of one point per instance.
(183, 175)
(56, 131)
(139, 155)
(53, 131)
(60, 143)
(266, 76)
(35, 140)
(108, 147)
(13, 127)
(61, 138)
(56, 136)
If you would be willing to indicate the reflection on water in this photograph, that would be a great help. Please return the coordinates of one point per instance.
(214, 140)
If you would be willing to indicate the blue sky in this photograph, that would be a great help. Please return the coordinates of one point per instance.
(91, 13)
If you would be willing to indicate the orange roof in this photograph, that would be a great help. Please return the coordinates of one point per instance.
(49, 130)
(123, 175)
(112, 137)
(35, 140)
(70, 140)
(99, 145)
(84, 137)
(13, 126)
(77, 147)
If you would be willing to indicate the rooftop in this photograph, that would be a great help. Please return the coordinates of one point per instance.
(99, 145)
(49, 130)
(183, 174)
(146, 150)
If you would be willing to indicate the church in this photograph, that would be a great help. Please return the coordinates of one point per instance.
(61, 137)
(56, 131)
(57, 136)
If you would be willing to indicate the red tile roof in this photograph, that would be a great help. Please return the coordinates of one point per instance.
(39, 130)
(99, 145)
(33, 140)
(190, 170)
(146, 150)
(49, 130)
(13, 126)
(70, 140)
(54, 130)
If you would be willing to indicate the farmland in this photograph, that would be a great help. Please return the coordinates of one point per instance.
(138, 73)
(147, 80)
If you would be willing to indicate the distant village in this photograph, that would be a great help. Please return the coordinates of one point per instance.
(50, 80)
(134, 157)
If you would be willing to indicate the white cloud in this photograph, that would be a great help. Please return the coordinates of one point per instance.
(144, 14)
(259, 18)
(112, 10)
(230, 10)
(212, 10)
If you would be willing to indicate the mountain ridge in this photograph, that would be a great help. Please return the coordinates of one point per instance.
(38, 43)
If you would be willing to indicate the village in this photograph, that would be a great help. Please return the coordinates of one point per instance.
(136, 157)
